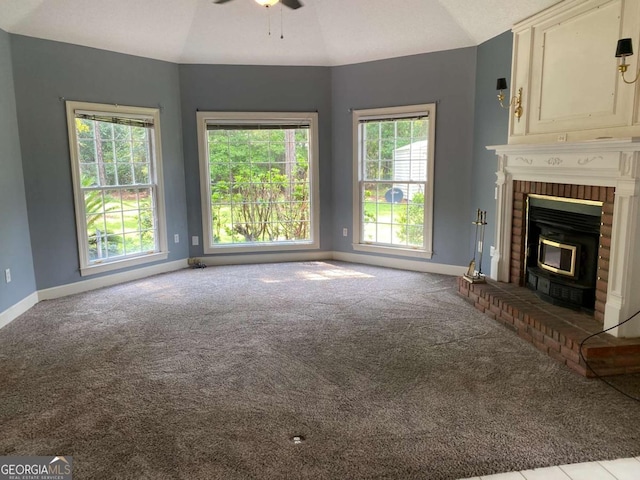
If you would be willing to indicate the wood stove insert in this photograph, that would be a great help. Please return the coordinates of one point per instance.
(562, 250)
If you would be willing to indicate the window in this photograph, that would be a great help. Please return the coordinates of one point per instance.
(393, 179)
(116, 168)
(259, 181)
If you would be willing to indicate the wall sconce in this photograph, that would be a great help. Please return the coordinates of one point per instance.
(516, 101)
(624, 50)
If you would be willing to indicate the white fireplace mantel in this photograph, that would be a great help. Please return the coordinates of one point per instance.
(606, 162)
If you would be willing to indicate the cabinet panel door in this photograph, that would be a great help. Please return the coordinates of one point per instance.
(564, 60)
(575, 85)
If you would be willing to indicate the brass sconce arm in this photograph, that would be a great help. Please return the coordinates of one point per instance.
(515, 101)
(622, 68)
(624, 49)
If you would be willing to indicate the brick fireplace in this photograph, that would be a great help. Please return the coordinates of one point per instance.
(603, 171)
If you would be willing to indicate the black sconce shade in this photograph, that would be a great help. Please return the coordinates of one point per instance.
(501, 84)
(625, 48)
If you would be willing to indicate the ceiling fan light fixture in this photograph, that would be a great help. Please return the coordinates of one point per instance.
(266, 3)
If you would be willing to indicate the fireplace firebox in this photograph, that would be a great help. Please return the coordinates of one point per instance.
(562, 250)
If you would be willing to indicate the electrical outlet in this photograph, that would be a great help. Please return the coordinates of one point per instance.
(195, 240)
(345, 232)
(176, 238)
(7, 275)
(562, 137)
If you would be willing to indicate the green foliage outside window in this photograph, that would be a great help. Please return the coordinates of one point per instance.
(388, 166)
(119, 221)
(412, 218)
(259, 185)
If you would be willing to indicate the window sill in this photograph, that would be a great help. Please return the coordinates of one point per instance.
(118, 264)
(400, 251)
(254, 247)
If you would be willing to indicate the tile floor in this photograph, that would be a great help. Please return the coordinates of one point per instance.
(621, 469)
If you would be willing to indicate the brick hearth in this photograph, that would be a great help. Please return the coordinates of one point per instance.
(556, 331)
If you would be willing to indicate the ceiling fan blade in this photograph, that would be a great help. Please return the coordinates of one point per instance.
(221, 1)
(294, 4)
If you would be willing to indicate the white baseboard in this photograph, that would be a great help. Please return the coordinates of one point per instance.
(14, 311)
(403, 264)
(85, 285)
(266, 258)
(106, 281)
(400, 263)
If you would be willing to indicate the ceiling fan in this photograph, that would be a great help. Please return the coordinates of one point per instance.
(293, 4)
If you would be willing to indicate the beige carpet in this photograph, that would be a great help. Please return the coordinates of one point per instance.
(208, 374)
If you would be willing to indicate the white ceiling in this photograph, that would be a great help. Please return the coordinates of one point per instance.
(324, 32)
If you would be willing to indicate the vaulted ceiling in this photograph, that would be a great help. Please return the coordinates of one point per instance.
(324, 32)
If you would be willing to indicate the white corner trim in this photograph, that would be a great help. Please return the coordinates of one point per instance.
(14, 311)
(116, 278)
(400, 263)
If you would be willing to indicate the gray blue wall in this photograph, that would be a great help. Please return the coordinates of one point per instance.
(15, 243)
(447, 78)
(491, 128)
(255, 89)
(44, 71)
(460, 81)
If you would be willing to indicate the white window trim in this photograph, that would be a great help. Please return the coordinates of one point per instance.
(379, 114)
(238, 118)
(83, 250)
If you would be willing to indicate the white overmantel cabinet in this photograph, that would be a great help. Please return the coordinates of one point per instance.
(564, 60)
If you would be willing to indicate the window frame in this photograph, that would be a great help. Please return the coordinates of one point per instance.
(253, 118)
(155, 179)
(399, 112)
